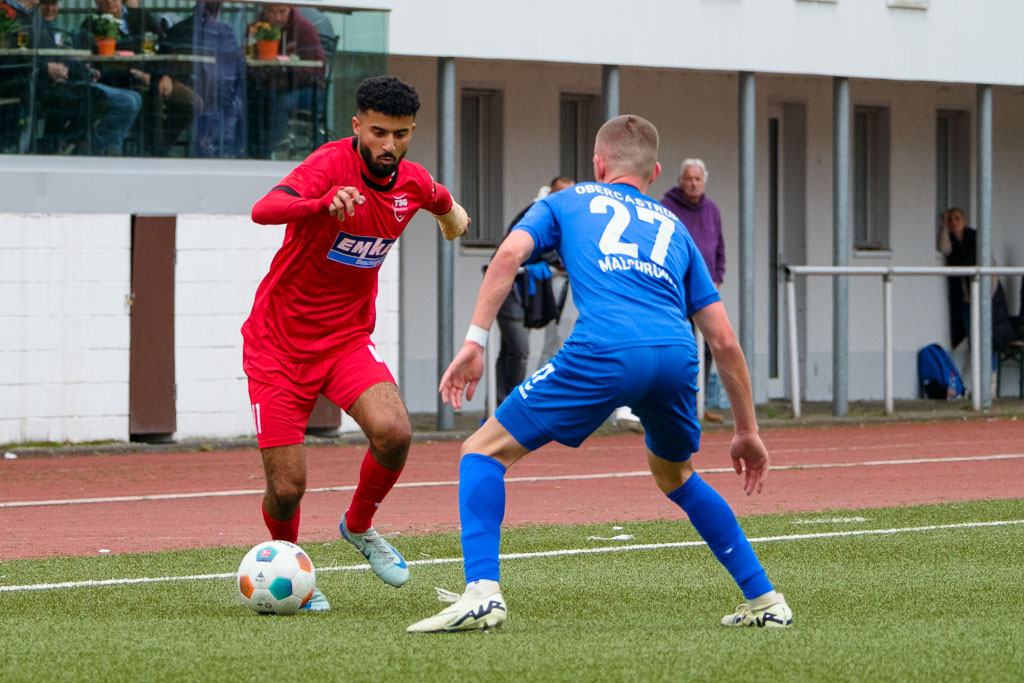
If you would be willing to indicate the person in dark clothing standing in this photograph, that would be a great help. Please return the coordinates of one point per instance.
(219, 113)
(515, 337)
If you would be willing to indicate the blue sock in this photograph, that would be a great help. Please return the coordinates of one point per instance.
(481, 509)
(717, 525)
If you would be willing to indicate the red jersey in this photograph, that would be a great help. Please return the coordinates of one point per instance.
(321, 290)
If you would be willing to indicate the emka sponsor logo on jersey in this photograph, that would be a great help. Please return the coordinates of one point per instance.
(360, 250)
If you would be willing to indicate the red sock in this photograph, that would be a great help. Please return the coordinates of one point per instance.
(374, 484)
(287, 530)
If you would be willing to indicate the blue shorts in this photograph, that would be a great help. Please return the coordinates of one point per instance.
(573, 394)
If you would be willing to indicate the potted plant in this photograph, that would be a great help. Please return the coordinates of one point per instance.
(105, 31)
(9, 25)
(268, 39)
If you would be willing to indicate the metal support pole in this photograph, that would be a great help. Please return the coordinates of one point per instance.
(983, 224)
(445, 249)
(840, 241)
(887, 332)
(610, 90)
(702, 385)
(490, 372)
(794, 353)
(748, 244)
(976, 398)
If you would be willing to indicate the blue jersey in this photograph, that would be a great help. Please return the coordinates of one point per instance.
(636, 274)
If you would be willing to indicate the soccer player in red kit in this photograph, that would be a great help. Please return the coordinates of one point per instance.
(309, 330)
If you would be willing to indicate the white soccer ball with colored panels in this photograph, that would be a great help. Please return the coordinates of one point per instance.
(276, 577)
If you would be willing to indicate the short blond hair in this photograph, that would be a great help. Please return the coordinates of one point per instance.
(629, 144)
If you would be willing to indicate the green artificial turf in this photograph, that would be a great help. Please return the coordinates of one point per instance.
(916, 606)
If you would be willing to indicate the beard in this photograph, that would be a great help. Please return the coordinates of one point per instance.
(382, 166)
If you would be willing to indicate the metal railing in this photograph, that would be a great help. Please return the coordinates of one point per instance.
(887, 275)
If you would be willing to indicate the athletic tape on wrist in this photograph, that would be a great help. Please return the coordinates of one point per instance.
(477, 335)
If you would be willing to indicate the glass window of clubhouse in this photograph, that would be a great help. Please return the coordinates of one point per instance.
(179, 78)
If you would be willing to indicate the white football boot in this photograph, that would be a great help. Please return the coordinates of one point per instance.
(474, 610)
(776, 615)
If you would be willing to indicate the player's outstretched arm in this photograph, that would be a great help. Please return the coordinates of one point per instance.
(283, 204)
(454, 223)
(749, 455)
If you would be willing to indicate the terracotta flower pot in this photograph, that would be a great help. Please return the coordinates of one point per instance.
(267, 49)
(105, 46)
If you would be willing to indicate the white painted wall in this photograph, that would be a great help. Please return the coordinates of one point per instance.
(856, 38)
(64, 327)
(220, 262)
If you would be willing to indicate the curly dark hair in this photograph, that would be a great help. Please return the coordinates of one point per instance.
(387, 95)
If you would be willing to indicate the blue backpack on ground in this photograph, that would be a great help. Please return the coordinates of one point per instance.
(937, 373)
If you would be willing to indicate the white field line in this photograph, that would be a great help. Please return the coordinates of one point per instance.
(454, 482)
(528, 556)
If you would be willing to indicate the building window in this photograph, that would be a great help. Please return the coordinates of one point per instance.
(952, 161)
(481, 167)
(578, 121)
(871, 178)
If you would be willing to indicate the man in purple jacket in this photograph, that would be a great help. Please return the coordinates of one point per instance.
(701, 217)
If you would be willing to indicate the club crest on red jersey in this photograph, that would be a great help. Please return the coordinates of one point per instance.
(401, 207)
(360, 250)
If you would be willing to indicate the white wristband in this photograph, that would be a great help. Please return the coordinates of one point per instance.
(477, 335)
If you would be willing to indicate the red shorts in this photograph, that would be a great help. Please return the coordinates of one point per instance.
(283, 392)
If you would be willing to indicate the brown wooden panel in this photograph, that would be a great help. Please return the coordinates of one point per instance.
(152, 413)
(325, 418)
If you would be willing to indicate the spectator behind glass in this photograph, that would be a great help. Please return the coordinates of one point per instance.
(14, 84)
(219, 118)
(169, 102)
(48, 10)
(135, 23)
(283, 92)
(65, 88)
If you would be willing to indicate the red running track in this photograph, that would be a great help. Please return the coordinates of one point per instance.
(885, 476)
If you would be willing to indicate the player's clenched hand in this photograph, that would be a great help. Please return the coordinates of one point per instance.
(463, 374)
(750, 458)
(344, 202)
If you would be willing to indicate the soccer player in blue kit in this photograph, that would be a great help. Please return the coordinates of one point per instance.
(636, 277)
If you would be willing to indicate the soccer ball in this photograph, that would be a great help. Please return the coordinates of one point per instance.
(276, 577)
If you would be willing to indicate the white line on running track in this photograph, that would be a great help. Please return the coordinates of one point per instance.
(563, 477)
(527, 556)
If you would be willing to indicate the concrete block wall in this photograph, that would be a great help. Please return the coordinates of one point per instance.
(220, 262)
(64, 327)
(65, 324)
